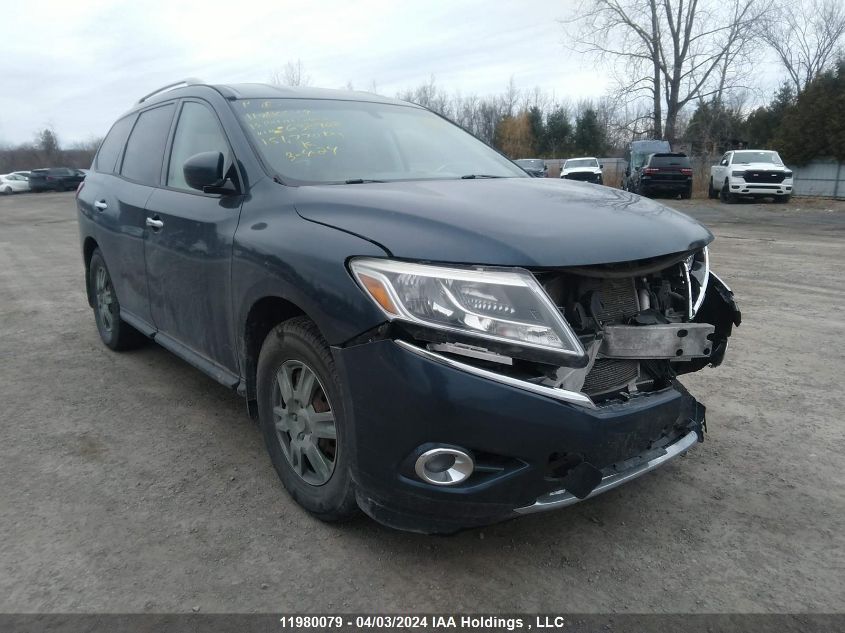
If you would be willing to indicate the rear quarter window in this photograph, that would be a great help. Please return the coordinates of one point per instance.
(145, 147)
(112, 145)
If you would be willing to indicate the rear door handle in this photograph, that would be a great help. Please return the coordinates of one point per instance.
(154, 224)
(101, 205)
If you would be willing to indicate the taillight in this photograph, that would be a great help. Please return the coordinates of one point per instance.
(49, 178)
(650, 170)
(686, 171)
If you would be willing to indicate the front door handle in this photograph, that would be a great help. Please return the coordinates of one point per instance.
(101, 205)
(154, 224)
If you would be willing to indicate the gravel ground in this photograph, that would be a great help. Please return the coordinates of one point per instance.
(132, 482)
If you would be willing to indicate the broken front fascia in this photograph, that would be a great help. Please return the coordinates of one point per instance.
(651, 352)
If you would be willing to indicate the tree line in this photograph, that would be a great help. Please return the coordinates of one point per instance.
(45, 150)
(800, 125)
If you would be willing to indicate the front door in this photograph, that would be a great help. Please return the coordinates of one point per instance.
(189, 248)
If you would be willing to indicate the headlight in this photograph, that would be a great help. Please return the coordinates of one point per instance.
(503, 305)
(738, 174)
(787, 174)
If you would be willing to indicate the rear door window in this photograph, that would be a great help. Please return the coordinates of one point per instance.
(198, 130)
(112, 145)
(145, 147)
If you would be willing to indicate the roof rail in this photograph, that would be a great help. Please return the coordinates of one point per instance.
(190, 81)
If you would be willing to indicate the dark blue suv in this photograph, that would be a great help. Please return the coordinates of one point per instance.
(422, 330)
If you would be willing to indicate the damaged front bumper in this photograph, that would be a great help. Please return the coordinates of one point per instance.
(615, 475)
(534, 446)
(526, 445)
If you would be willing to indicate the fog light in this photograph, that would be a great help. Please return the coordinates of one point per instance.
(444, 466)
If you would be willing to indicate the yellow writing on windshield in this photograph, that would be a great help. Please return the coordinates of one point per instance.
(300, 133)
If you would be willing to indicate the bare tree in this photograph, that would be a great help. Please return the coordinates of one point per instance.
(293, 74)
(669, 51)
(805, 35)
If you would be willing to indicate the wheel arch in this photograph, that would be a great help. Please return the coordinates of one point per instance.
(88, 248)
(264, 314)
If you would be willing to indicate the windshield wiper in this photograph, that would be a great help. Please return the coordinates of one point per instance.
(359, 181)
(471, 176)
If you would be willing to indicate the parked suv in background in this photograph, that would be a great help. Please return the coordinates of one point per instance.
(534, 166)
(55, 179)
(636, 154)
(665, 172)
(422, 330)
(750, 173)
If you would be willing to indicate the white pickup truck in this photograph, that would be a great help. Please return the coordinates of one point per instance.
(750, 172)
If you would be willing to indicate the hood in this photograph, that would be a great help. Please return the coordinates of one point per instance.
(535, 222)
(759, 167)
(581, 170)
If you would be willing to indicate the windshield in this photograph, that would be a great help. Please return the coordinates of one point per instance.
(745, 158)
(318, 141)
(581, 162)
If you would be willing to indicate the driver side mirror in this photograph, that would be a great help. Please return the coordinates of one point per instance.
(206, 172)
(601, 166)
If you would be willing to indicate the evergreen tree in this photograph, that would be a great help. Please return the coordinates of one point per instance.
(538, 130)
(815, 126)
(763, 123)
(590, 138)
(558, 140)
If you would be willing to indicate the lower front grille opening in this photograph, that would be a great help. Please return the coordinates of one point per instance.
(611, 374)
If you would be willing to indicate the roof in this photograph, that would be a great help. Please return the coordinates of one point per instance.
(193, 87)
(270, 91)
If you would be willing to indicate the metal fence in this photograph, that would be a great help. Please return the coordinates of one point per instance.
(824, 178)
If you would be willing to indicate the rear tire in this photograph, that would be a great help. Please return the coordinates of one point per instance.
(686, 194)
(300, 407)
(711, 191)
(115, 333)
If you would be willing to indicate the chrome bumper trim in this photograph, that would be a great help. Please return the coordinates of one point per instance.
(562, 498)
(572, 397)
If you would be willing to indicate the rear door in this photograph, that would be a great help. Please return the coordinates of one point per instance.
(119, 210)
(189, 251)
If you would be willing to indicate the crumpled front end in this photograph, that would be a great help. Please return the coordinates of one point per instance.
(540, 434)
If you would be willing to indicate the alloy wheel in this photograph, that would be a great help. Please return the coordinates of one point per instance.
(305, 423)
(104, 292)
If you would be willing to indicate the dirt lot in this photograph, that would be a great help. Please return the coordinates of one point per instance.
(131, 482)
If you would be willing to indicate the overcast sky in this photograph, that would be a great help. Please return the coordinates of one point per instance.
(78, 65)
(79, 72)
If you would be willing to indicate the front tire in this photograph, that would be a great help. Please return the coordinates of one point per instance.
(782, 199)
(725, 195)
(115, 333)
(302, 417)
(7, 191)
